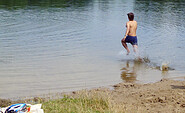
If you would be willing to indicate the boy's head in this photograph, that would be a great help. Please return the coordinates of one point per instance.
(130, 16)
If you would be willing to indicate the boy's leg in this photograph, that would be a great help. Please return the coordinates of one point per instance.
(139, 58)
(125, 46)
(135, 47)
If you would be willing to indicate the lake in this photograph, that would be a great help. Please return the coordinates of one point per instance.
(51, 46)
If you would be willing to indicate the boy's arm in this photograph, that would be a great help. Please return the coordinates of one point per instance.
(127, 31)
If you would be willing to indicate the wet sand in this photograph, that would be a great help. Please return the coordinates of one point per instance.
(166, 96)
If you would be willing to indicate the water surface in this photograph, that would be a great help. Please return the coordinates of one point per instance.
(49, 46)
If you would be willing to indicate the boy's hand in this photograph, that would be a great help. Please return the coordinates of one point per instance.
(124, 38)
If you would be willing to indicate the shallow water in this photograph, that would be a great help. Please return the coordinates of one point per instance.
(60, 45)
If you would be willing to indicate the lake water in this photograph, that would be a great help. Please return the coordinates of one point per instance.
(50, 46)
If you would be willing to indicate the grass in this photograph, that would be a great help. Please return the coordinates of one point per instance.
(75, 105)
(80, 102)
(84, 103)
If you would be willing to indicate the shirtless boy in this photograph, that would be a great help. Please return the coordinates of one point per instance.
(130, 35)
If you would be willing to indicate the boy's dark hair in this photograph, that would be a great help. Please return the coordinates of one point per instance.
(131, 16)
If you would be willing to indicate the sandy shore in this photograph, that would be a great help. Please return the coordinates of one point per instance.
(165, 96)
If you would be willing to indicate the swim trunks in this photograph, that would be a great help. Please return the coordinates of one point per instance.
(131, 39)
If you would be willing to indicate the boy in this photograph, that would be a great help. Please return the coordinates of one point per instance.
(130, 35)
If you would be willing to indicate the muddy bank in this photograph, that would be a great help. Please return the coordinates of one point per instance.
(166, 96)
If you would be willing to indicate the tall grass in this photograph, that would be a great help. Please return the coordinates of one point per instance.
(83, 102)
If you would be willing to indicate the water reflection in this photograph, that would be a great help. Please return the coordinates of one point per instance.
(128, 74)
(130, 70)
(17, 4)
(160, 9)
(159, 5)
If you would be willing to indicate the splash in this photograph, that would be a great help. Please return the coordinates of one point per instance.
(139, 57)
(122, 53)
(164, 67)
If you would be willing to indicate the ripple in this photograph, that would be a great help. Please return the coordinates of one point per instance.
(50, 48)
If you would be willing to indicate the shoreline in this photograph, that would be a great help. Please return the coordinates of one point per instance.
(165, 95)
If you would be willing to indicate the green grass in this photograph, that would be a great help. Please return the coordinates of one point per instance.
(83, 103)
(76, 105)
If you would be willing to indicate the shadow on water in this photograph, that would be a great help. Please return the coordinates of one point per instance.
(21, 4)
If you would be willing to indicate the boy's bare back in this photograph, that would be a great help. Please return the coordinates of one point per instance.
(132, 27)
